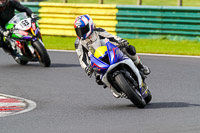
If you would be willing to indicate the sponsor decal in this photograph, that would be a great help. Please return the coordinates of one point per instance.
(11, 105)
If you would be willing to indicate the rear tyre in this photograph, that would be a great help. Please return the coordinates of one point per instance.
(9, 51)
(20, 61)
(41, 53)
(131, 93)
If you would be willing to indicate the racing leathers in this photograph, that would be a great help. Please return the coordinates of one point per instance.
(84, 48)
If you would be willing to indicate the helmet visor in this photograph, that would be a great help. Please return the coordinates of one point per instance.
(82, 31)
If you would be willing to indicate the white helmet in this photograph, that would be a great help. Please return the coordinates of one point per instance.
(84, 26)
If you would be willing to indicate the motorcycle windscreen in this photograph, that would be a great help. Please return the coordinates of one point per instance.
(114, 53)
(98, 65)
(100, 52)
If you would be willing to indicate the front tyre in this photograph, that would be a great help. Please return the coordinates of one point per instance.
(129, 91)
(41, 53)
(149, 97)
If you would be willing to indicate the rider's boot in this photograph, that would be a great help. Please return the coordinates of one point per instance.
(98, 79)
(144, 69)
(130, 51)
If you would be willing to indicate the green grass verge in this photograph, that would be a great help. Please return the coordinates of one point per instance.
(58, 42)
(134, 2)
(156, 46)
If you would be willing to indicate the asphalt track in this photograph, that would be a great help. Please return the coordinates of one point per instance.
(70, 102)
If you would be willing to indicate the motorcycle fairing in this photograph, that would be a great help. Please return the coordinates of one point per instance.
(10, 26)
(22, 24)
(114, 53)
(116, 57)
(98, 64)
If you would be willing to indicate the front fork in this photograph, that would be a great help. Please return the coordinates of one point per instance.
(143, 89)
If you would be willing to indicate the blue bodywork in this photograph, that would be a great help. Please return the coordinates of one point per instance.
(113, 53)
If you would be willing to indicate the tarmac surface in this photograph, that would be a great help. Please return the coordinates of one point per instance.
(70, 102)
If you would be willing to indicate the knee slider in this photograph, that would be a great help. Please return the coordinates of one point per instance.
(131, 50)
(76, 43)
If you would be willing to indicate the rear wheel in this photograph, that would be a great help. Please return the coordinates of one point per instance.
(41, 53)
(131, 93)
(20, 61)
(10, 51)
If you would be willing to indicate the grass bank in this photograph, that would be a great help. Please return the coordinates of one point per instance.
(156, 46)
(134, 2)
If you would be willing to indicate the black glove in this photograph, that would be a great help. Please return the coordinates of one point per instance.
(89, 70)
(34, 16)
(123, 43)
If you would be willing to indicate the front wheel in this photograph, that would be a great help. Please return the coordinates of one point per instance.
(41, 53)
(149, 97)
(130, 91)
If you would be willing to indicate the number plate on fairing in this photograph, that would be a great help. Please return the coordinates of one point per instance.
(24, 24)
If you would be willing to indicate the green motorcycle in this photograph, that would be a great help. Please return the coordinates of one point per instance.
(25, 41)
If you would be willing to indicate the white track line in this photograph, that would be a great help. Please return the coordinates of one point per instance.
(167, 55)
(31, 105)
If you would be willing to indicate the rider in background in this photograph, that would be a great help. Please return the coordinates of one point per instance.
(90, 38)
(7, 11)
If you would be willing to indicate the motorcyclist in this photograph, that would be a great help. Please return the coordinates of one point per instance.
(7, 11)
(89, 38)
